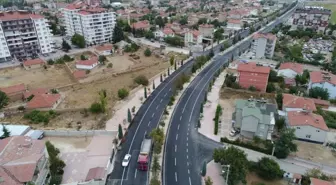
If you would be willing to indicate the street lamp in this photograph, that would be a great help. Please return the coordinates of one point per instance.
(227, 174)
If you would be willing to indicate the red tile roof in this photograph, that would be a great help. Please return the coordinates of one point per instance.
(17, 15)
(315, 181)
(19, 159)
(322, 76)
(141, 25)
(43, 101)
(33, 62)
(89, 62)
(104, 47)
(252, 67)
(13, 89)
(196, 33)
(291, 101)
(79, 74)
(319, 102)
(264, 35)
(297, 118)
(234, 21)
(206, 26)
(95, 174)
(35, 92)
(298, 68)
(168, 31)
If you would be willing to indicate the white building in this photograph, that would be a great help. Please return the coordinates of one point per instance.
(95, 24)
(263, 45)
(234, 24)
(308, 126)
(193, 37)
(23, 35)
(324, 80)
(290, 70)
(87, 64)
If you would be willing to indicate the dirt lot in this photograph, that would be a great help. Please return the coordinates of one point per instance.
(53, 77)
(315, 152)
(233, 94)
(253, 179)
(69, 144)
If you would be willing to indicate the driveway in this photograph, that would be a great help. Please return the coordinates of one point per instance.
(226, 118)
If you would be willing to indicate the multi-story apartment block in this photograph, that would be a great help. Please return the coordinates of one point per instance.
(263, 45)
(316, 18)
(95, 24)
(23, 35)
(324, 80)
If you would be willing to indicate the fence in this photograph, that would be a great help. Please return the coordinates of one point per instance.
(74, 133)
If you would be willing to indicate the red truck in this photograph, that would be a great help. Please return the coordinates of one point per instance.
(143, 159)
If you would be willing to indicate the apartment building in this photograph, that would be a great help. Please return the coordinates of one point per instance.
(325, 80)
(251, 74)
(95, 24)
(316, 18)
(263, 45)
(23, 35)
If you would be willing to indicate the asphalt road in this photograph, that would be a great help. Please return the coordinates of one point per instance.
(185, 149)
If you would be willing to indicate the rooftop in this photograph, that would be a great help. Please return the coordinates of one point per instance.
(253, 67)
(322, 76)
(13, 89)
(234, 21)
(43, 101)
(315, 181)
(264, 35)
(91, 61)
(18, 15)
(141, 25)
(206, 26)
(292, 101)
(104, 47)
(33, 62)
(35, 92)
(298, 68)
(304, 118)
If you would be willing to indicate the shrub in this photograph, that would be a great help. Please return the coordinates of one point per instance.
(141, 80)
(147, 52)
(110, 65)
(123, 93)
(252, 88)
(21, 108)
(216, 119)
(54, 91)
(30, 97)
(171, 101)
(50, 62)
(67, 58)
(83, 57)
(249, 145)
(37, 116)
(96, 108)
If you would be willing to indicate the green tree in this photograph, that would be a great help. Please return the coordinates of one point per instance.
(129, 116)
(204, 167)
(285, 145)
(118, 34)
(153, 85)
(56, 165)
(159, 21)
(208, 181)
(96, 108)
(319, 92)
(103, 99)
(65, 46)
(279, 98)
(145, 92)
(268, 169)
(252, 88)
(141, 80)
(120, 132)
(270, 88)
(5, 131)
(147, 52)
(218, 35)
(172, 60)
(156, 165)
(3, 100)
(149, 35)
(122, 93)
(78, 40)
(280, 123)
(226, 45)
(83, 57)
(102, 59)
(168, 71)
(175, 66)
(158, 137)
(237, 160)
(272, 77)
(161, 78)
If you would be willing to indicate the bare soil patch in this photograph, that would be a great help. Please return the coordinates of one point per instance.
(253, 179)
(69, 144)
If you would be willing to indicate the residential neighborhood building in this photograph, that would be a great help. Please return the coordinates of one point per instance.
(308, 126)
(297, 103)
(23, 160)
(95, 24)
(104, 49)
(206, 30)
(44, 102)
(33, 63)
(263, 45)
(325, 80)
(251, 74)
(35, 92)
(290, 69)
(254, 118)
(193, 37)
(234, 24)
(316, 18)
(141, 25)
(87, 64)
(23, 35)
(14, 92)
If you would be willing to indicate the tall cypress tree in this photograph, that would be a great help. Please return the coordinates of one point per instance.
(129, 116)
(120, 132)
(145, 92)
(153, 85)
(161, 78)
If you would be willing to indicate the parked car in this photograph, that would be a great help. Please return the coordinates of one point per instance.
(126, 160)
(234, 132)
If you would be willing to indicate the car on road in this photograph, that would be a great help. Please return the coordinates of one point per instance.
(234, 132)
(126, 160)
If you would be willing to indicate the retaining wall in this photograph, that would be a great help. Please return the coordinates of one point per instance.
(74, 133)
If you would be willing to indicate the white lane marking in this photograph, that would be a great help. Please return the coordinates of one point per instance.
(153, 114)
(149, 123)
(188, 124)
(175, 148)
(187, 140)
(176, 136)
(178, 127)
(187, 163)
(187, 157)
(188, 128)
(136, 171)
(187, 150)
(165, 95)
(187, 133)
(188, 171)
(175, 176)
(157, 107)
(161, 100)
(180, 118)
(175, 161)
(189, 181)
(145, 134)
(169, 89)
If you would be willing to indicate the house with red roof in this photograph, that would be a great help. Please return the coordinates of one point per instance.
(308, 126)
(315, 181)
(87, 64)
(251, 74)
(297, 103)
(33, 63)
(206, 30)
(44, 101)
(141, 25)
(235, 24)
(290, 69)
(35, 92)
(23, 160)
(325, 80)
(193, 37)
(80, 74)
(14, 92)
(104, 49)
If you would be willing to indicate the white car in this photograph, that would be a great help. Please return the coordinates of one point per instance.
(126, 160)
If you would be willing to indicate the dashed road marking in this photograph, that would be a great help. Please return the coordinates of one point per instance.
(161, 100)
(175, 161)
(175, 148)
(153, 114)
(175, 176)
(178, 127)
(149, 123)
(180, 118)
(157, 107)
(165, 95)
(176, 136)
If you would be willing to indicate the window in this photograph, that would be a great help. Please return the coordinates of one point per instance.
(262, 126)
(317, 130)
(297, 127)
(308, 136)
